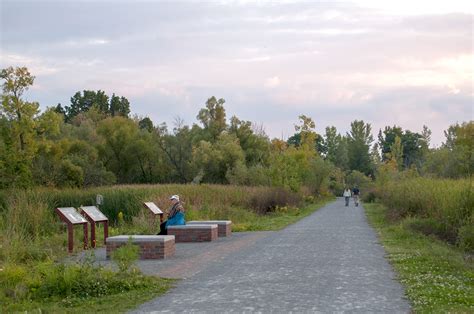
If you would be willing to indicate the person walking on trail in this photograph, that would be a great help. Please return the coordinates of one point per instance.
(356, 193)
(175, 215)
(347, 195)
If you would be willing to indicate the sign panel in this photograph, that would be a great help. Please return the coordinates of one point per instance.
(99, 199)
(94, 213)
(152, 206)
(72, 215)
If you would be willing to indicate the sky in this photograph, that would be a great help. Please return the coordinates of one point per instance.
(405, 63)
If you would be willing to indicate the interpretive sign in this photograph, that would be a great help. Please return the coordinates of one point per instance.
(94, 216)
(155, 210)
(99, 199)
(71, 217)
(93, 213)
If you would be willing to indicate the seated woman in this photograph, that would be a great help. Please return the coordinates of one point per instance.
(175, 215)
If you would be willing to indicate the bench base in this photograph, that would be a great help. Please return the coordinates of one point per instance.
(150, 247)
(193, 233)
(224, 227)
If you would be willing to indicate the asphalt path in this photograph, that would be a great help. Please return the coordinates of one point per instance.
(330, 261)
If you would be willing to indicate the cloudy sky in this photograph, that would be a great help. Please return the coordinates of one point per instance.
(407, 63)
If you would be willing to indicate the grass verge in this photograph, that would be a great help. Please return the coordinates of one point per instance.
(279, 219)
(437, 277)
(117, 303)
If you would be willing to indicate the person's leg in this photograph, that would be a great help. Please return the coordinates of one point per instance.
(163, 230)
(347, 200)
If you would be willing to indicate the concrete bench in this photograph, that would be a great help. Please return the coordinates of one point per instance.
(193, 233)
(224, 227)
(151, 246)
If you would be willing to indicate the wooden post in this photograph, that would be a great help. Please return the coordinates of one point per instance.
(92, 234)
(70, 238)
(71, 217)
(106, 231)
(95, 216)
(86, 232)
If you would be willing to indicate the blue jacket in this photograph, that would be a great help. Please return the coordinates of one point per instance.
(176, 215)
(177, 219)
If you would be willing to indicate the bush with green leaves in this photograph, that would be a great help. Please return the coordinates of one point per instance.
(126, 255)
(53, 281)
(270, 200)
(466, 237)
(445, 207)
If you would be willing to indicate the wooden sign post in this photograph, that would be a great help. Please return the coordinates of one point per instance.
(155, 211)
(94, 216)
(71, 217)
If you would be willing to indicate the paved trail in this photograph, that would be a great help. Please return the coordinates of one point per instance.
(328, 262)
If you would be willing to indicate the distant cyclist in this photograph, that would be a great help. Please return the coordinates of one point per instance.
(355, 194)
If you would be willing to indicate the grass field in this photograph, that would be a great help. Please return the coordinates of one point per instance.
(33, 240)
(437, 277)
(443, 208)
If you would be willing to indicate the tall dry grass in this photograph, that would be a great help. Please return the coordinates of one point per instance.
(28, 220)
(444, 207)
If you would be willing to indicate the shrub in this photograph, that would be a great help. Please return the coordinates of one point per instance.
(445, 205)
(12, 279)
(430, 226)
(268, 201)
(466, 238)
(369, 196)
(65, 282)
(125, 256)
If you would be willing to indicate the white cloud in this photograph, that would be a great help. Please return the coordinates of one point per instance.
(409, 7)
(272, 82)
(273, 60)
(253, 59)
(86, 42)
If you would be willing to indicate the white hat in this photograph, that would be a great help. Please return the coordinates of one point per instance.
(174, 197)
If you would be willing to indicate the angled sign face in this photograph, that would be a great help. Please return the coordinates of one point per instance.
(93, 213)
(71, 215)
(155, 209)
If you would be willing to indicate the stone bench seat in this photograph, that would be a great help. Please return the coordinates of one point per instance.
(151, 246)
(193, 233)
(224, 227)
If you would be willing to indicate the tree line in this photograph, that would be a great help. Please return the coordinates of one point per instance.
(95, 140)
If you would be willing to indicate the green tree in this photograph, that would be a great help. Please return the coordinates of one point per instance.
(387, 138)
(331, 140)
(82, 102)
(119, 106)
(455, 158)
(178, 150)
(464, 146)
(415, 145)
(451, 135)
(396, 153)
(85, 101)
(357, 178)
(256, 147)
(19, 127)
(117, 152)
(212, 117)
(336, 148)
(306, 136)
(284, 166)
(146, 124)
(359, 142)
(216, 159)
